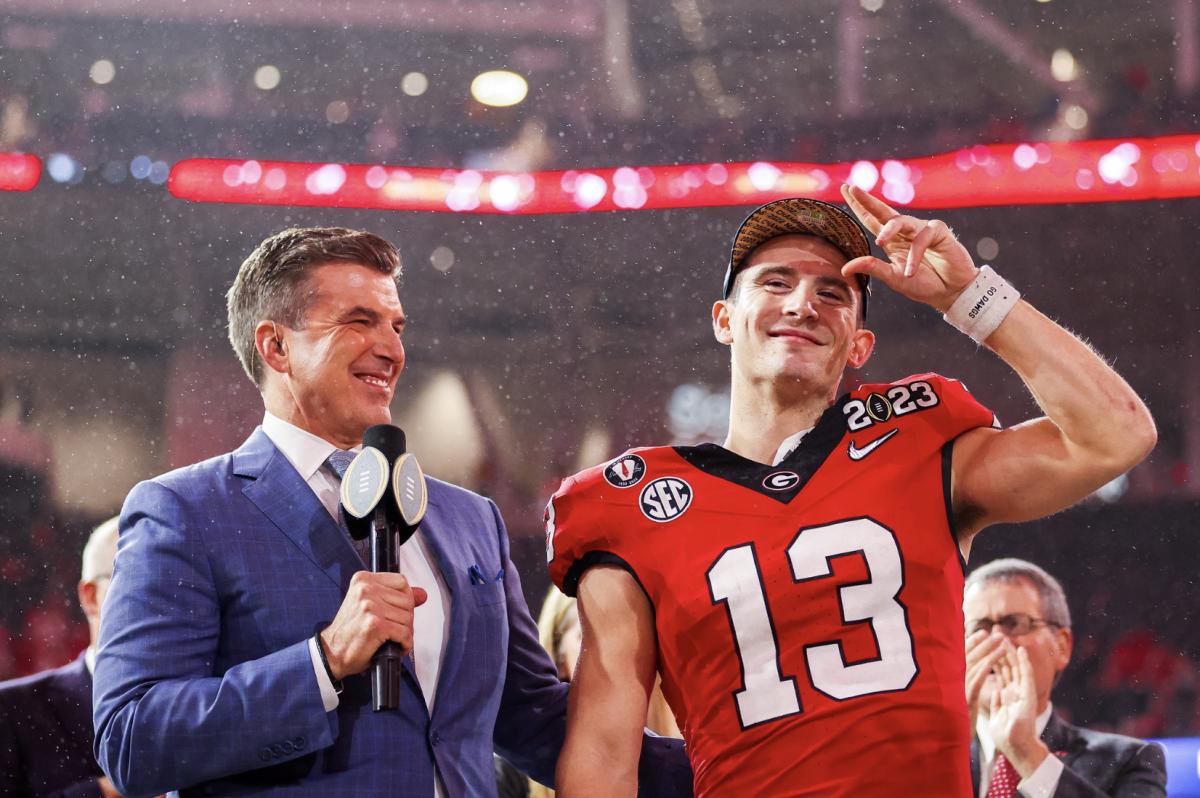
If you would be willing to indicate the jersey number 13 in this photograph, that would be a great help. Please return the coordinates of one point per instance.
(736, 580)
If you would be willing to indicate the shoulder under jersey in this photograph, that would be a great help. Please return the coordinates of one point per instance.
(808, 614)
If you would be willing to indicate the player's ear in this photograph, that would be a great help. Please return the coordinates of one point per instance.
(862, 344)
(720, 321)
(268, 341)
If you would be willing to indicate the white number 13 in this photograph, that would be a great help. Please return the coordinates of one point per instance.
(736, 580)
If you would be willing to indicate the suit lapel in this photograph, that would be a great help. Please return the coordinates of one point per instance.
(1062, 739)
(287, 500)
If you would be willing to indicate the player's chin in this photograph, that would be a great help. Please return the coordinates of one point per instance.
(799, 369)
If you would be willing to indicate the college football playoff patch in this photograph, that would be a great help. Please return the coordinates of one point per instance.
(626, 471)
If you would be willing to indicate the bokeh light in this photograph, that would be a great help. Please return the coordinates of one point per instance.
(1075, 117)
(442, 258)
(267, 77)
(337, 112)
(414, 84)
(1063, 66)
(102, 72)
(499, 88)
(987, 248)
(62, 168)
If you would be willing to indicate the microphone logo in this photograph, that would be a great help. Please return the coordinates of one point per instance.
(364, 483)
(408, 486)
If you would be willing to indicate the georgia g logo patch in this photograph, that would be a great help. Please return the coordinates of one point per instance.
(781, 480)
(626, 471)
(665, 499)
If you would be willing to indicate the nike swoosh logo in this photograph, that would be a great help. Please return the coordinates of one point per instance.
(858, 454)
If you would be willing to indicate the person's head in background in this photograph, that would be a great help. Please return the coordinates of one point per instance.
(1021, 601)
(98, 557)
(559, 631)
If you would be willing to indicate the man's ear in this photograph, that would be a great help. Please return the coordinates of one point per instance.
(271, 348)
(720, 321)
(862, 344)
(87, 599)
(1064, 642)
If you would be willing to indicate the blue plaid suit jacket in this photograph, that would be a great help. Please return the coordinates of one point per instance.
(203, 680)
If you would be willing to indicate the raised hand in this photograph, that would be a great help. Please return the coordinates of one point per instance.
(983, 652)
(926, 263)
(1012, 717)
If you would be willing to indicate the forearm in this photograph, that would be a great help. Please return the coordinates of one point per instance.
(598, 765)
(258, 713)
(611, 689)
(1096, 410)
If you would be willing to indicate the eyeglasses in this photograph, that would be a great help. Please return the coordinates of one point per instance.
(1013, 625)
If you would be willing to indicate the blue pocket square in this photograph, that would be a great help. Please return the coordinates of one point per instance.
(478, 578)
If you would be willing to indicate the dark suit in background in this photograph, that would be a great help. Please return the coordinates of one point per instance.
(1097, 763)
(46, 735)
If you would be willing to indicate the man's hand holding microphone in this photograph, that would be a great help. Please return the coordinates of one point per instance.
(383, 500)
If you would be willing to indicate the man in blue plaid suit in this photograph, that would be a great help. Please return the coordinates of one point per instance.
(240, 622)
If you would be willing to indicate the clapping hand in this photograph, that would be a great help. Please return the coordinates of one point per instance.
(1012, 714)
(984, 650)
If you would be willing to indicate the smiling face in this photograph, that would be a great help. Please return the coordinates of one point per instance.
(335, 375)
(793, 317)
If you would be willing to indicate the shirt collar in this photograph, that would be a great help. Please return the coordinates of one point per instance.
(789, 445)
(305, 451)
(987, 746)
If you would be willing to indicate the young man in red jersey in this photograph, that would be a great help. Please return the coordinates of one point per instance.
(800, 587)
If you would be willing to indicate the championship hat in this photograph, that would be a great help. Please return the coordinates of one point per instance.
(798, 215)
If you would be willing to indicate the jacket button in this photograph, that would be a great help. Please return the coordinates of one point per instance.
(288, 747)
(277, 750)
(435, 738)
(265, 755)
(299, 742)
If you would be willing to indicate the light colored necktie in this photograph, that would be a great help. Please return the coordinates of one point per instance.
(1004, 779)
(338, 462)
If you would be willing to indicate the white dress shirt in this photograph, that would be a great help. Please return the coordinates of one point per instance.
(1041, 783)
(431, 621)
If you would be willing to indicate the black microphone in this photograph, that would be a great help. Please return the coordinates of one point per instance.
(383, 498)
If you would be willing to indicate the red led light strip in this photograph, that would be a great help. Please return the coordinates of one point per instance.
(1006, 174)
(19, 172)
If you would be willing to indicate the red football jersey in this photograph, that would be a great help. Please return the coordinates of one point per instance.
(808, 614)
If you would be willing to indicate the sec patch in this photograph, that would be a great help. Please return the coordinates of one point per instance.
(665, 499)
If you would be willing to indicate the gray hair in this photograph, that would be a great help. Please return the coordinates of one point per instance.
(1010, 569)
(271, 281)
(100, 551)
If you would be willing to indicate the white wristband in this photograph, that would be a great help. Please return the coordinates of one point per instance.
(982, 305)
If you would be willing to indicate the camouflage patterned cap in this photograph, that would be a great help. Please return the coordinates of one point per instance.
(802, 216)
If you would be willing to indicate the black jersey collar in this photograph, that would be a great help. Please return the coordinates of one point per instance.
(780, 482)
